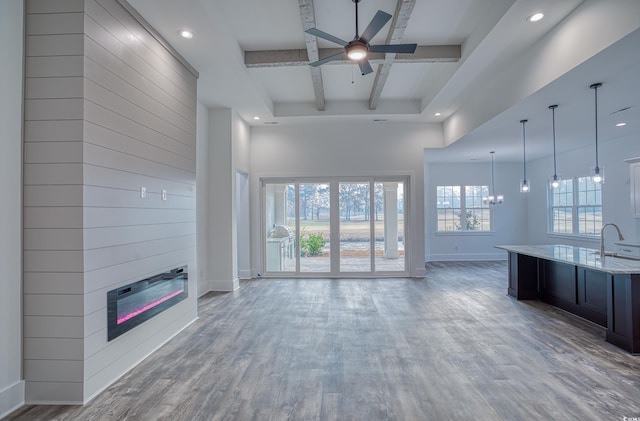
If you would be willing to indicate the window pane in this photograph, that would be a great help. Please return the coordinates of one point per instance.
(449, 220)
(589, 193)
(448, 196)
(589, 208)
(589, 220)
(562, 220)
(563, 194)
(478, 220)
(477, 215)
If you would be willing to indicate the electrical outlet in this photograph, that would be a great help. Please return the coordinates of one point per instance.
(143, 192)
(164, 195)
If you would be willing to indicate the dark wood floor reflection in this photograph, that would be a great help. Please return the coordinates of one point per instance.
(452, 346)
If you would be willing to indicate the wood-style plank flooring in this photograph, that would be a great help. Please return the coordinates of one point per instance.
(451, 347)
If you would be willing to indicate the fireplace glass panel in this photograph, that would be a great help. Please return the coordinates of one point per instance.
(133, 304)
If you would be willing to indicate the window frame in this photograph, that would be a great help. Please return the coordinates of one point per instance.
(462, 209)
(576, 206)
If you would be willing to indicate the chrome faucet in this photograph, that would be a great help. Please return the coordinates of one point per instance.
(602, 252)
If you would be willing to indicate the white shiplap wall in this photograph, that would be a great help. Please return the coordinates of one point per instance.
(108, 109)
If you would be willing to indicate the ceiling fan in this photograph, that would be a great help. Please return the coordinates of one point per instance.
(358, 48)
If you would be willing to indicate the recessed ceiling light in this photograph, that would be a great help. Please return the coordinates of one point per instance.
(185, 33)
(256, 118)
(437, 114)
(535, 17)
(621, 124)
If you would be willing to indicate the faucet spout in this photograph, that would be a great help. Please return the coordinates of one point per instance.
(620, 236)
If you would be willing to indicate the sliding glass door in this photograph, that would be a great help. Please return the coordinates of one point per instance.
(315, 227)
(334, 227)
(355, 227)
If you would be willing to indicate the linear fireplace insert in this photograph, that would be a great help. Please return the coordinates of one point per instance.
(133, 304)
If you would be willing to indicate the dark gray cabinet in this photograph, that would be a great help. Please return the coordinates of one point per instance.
(611, 300)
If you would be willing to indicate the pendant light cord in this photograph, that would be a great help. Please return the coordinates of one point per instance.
(357, 31)
(595, 87)
(524, 149)
(553, 125)
(596, 108)
(493, 187)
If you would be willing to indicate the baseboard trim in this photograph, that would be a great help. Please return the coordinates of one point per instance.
(224, 286)
(463, 257)
(11, 398)
(244, 274)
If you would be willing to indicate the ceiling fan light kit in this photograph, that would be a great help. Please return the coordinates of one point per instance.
(358, 48)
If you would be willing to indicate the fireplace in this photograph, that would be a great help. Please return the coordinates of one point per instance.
(133, 304)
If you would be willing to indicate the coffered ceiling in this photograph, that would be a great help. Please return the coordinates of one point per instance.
(253, 55)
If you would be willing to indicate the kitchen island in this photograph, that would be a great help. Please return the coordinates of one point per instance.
(604, 291)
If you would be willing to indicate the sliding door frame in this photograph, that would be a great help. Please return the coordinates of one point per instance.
(334, 221)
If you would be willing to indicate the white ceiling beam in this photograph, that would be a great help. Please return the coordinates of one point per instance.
(286, 58)
(307, 15)
(404, 8)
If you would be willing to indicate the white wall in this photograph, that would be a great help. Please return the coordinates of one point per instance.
(616, 205)
(350, 149)
(509, 220)
(11, 60)
(228, 154)
(202, 197)
(242, 167)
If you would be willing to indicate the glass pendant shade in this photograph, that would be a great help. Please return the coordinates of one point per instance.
(555, 179)
(597, 172)
(525, 184)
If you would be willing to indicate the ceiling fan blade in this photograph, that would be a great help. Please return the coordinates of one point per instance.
(365, 67)
(327, 59)
(394, 48)
(324, 35)
(376, 24)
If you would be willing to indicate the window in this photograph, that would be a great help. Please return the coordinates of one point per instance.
(460, 208)
(589, 206)
(576, 207)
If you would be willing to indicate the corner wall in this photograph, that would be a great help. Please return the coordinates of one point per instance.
(11, 82)
(228, 155)
(202, 197)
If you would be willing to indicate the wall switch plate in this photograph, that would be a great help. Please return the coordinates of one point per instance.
(143, 192)
(164, 194)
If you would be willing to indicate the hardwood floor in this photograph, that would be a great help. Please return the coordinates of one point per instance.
(452, 346)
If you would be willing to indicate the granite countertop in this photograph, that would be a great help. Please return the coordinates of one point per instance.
(579, 256)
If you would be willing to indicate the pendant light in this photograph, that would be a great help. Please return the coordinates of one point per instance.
(597, 172)
(555, 180)
(493, 199)
(525, 184)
